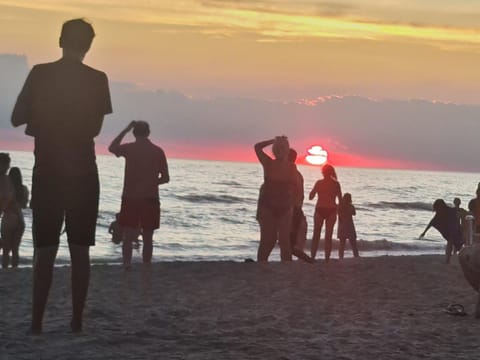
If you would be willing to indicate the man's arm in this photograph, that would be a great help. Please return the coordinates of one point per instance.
(165, 176)
(259, 150)
(22, 111)
(114, 147)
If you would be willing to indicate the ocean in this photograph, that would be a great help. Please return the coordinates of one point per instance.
(208, 209)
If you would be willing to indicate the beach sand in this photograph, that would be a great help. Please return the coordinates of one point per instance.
(368, 308)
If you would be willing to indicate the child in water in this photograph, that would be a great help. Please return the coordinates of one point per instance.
(346, 227)
(116, 231)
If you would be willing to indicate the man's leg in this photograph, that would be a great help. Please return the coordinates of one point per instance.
(44, 259)
(129, 236)
(80, 276)
(147, 251)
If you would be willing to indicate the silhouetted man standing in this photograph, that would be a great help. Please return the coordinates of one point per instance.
(63, 104)
(145, 169)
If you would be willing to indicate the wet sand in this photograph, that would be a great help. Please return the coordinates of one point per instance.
(382, 307)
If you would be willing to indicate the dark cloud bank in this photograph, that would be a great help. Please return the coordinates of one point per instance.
(415, 131)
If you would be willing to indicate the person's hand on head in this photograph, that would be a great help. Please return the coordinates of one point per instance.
(131, 125)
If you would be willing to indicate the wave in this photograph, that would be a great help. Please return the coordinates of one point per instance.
(210, 198)
(386, 245)
(415, 205)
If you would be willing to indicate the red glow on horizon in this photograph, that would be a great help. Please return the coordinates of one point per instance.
(17, 141)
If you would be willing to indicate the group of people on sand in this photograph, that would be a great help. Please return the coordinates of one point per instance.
(13, 198)
(63, 104)
(280, 213)
(452, 224)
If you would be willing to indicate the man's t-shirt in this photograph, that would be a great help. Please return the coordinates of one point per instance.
(144, 162)
(63, 104)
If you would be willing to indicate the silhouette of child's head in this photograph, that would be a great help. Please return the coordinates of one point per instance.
(456, 202)
(15, 175)
(4, 163)
(77, 35)
(347, 198)
(292, 155)
(280, 147)
(141, 129)
(328, 171)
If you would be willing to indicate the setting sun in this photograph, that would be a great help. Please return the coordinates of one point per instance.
(316, 155)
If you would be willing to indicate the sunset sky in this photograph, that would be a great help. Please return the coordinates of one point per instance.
(270, 50)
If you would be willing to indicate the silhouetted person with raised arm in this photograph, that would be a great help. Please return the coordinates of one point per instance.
(145, 169)
(298, 229)
(63, 104)
(275, 203)
(327, 191)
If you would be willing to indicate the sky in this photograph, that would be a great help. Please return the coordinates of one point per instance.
(229, 72)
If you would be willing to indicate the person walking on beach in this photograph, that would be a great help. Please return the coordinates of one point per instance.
(63, 104)
(6, 187)
(298, 231)
(145, 169)
(13, 222)
(445, 221)
(346, 227)
(474, 208)
(327, 190)
(276, 200)
(461, 214)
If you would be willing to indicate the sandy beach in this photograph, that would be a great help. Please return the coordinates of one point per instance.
(381, 307)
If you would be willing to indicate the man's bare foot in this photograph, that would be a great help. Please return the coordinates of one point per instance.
(76, 326)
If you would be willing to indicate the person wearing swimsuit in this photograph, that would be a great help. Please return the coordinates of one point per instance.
(327, 191)
(275, 203)
(13, 223)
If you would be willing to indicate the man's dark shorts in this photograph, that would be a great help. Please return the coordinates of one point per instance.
(58, 197)
(140, 213)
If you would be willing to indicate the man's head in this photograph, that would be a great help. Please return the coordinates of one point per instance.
(292, 155)
(280, 147)
(77, 36)
(4, 163)
(141, 129)
(457, 202)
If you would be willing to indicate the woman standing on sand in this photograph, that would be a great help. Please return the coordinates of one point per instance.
(275, 203)
(13, 223)
(327, 191)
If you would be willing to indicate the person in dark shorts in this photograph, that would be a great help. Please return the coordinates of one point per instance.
(145, 169)
(63, 104)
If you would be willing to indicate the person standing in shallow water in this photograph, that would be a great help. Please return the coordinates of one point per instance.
(63, 104)
(327, 191)
(145, 169)
(13, 222)
(445, 221)
(276, 200)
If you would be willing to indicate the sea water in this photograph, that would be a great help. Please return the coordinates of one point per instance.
(208, 209)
